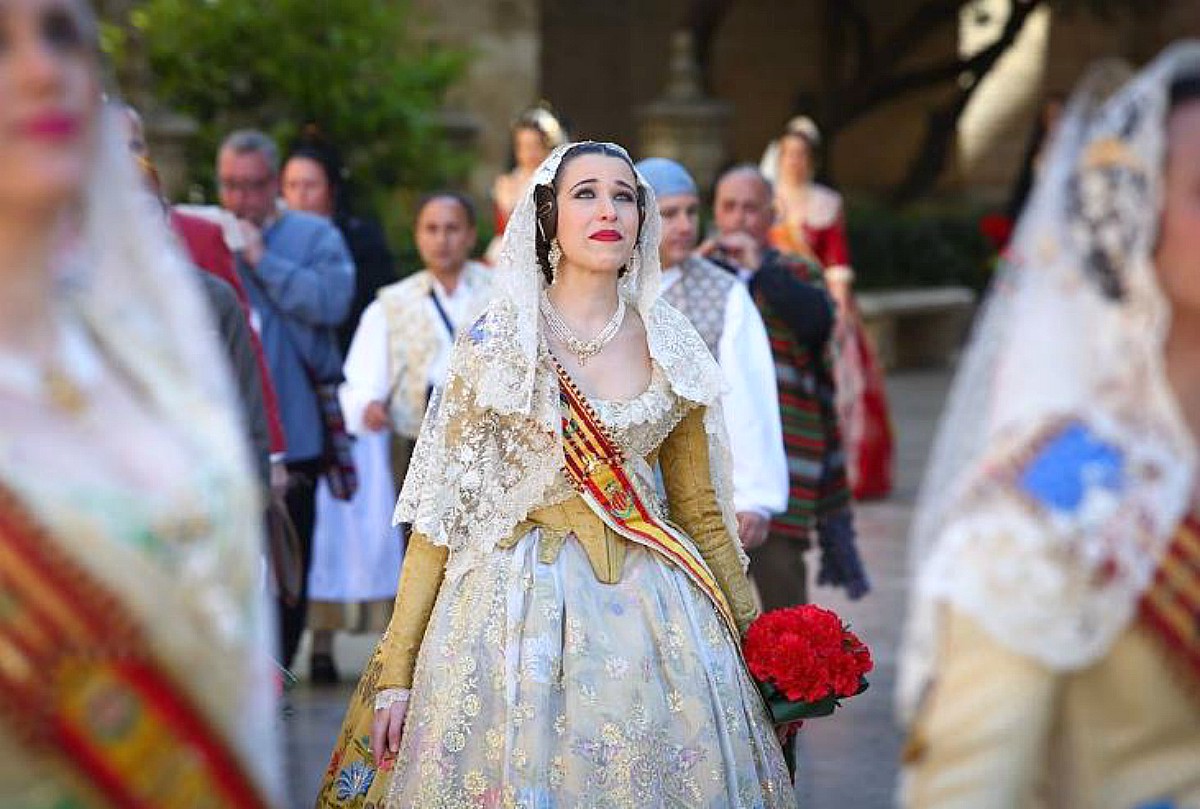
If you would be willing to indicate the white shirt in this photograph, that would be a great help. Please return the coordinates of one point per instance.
(367, 369)
(750, 404)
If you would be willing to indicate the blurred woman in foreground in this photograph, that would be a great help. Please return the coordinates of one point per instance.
(133, 633)
(1052, 656)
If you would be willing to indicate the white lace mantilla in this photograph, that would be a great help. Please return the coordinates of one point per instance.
(490, 449)
(1063, 466)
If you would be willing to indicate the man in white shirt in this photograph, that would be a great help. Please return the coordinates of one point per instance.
(401, 349)
(719, 306)
(399, 353)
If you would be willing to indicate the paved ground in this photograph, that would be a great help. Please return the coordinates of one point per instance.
(847, 761)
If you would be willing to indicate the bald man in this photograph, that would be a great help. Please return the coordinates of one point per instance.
(799, 318)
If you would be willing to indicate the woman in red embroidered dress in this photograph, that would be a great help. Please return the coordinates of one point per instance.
(812, 223)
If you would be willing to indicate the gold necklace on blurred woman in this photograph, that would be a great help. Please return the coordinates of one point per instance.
(62, 379)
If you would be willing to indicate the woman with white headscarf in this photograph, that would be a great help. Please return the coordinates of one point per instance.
(134, 667)
(1052, 654)
(562, 637)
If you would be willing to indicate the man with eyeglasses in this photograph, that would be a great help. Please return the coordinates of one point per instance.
(300, 278)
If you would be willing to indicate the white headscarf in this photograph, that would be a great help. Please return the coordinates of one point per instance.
(491, 444)
(1063, 466)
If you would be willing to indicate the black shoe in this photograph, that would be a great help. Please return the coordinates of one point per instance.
(322, 671)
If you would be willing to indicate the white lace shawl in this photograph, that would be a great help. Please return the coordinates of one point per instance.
(1062, 467)
(491, 444)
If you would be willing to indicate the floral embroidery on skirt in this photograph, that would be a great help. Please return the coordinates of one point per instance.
(539, 686)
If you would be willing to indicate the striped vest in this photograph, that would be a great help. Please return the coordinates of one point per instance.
(811, 435)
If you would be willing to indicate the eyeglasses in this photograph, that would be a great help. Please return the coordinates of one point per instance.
(245, 186)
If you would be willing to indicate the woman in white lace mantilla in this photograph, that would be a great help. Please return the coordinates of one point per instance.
(563, 636)
(1052, 656)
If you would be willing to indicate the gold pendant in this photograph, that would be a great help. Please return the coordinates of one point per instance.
(63, 392)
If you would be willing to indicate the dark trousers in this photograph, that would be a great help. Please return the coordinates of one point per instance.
(779, 572)
(302, 508)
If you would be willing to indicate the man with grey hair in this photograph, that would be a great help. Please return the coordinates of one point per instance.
(300, 278)
(798, 326)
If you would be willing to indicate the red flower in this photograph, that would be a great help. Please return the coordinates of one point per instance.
(997, 229)
(807, 654)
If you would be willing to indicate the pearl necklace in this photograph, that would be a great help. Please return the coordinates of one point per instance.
(584, 350)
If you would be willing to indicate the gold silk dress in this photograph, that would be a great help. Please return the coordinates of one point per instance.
(573, 668)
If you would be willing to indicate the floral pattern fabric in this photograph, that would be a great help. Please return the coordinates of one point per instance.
(574, 693)
(539, 686)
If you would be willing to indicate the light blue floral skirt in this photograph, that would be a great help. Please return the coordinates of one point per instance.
(539, 686)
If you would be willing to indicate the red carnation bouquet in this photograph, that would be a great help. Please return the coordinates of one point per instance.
(806, 661)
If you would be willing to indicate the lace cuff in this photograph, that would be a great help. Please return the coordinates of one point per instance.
(389, 697)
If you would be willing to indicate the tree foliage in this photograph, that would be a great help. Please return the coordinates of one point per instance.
(354, 68)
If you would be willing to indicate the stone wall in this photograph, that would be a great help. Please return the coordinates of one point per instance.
(503, 38)
(601, 61)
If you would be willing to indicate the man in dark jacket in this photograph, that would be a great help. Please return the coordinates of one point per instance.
(799, 319)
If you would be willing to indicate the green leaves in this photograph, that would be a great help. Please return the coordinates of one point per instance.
(358, 69)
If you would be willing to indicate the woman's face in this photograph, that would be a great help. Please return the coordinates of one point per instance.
(795, 162)
(1177, 255)
(306, 187)
(49, 102)
(597, 213)
(529, 148)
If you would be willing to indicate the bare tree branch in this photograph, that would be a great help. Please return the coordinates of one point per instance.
(860, 26)
(704, 18)
(925, 20)
(972, 68)
(943, 121)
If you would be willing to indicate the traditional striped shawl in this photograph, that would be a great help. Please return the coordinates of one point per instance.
(811, 436)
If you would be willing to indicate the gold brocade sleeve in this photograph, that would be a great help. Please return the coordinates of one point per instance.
(687, 475)
(420, 579)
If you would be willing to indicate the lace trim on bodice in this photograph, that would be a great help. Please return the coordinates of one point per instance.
(639, 425)
(643, 410)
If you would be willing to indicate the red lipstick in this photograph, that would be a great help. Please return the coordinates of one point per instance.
(606, 236)
(51, 126)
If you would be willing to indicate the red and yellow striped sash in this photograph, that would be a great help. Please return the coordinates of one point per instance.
(79, 685)
(1171, 607)
(595, 466)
